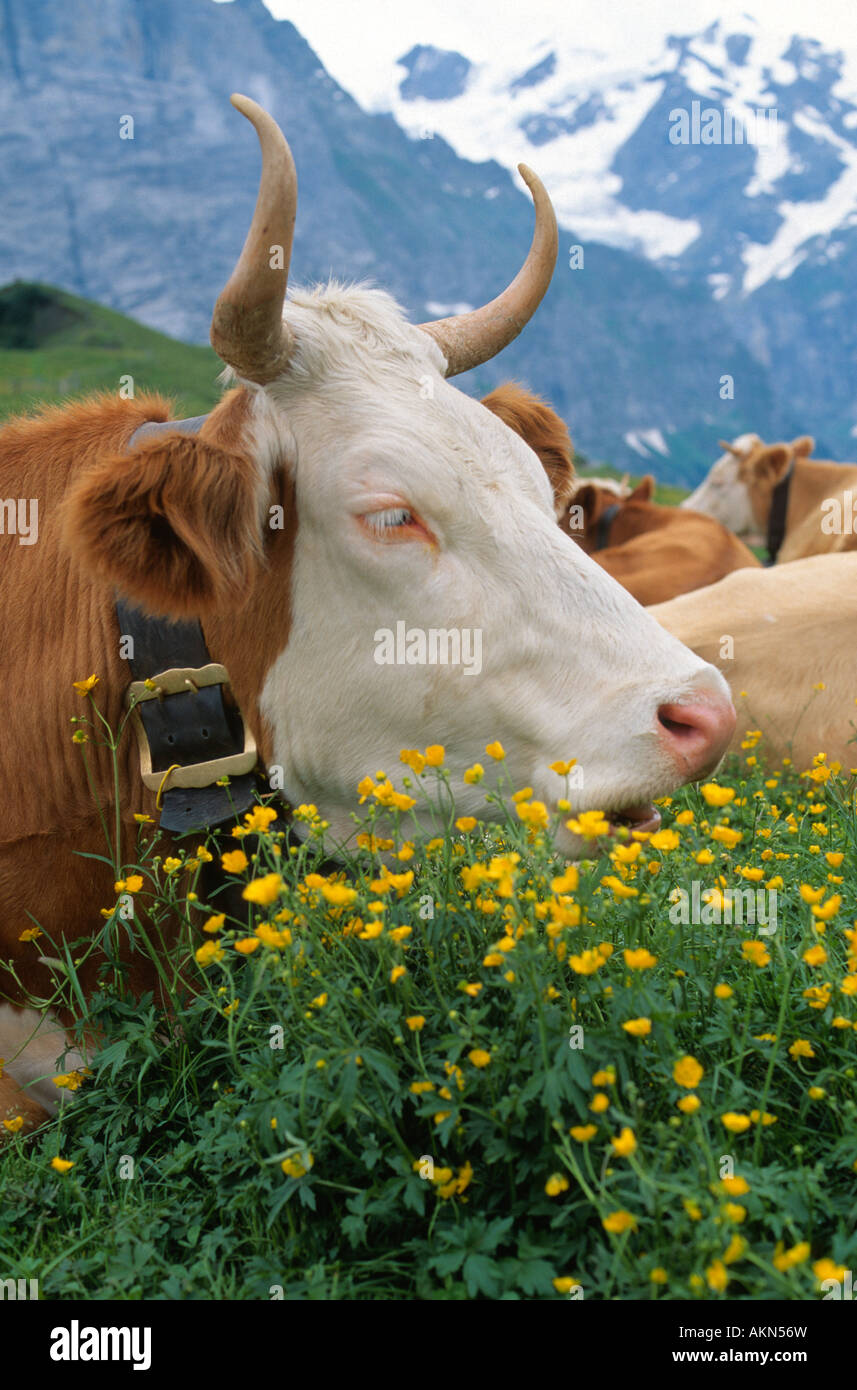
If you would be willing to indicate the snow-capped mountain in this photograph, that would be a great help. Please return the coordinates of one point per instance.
(601, 133)
(726, 157)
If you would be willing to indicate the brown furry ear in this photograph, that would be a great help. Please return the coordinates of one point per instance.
(540, 427)
(590, 499)
(174, 525)
(803, 447)
(643, 491)
(770, 463)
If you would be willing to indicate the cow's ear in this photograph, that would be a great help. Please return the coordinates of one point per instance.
(539, 426)
(643, 491)
(772, 462)
(803, 447)
(588, 498)
(175, 525)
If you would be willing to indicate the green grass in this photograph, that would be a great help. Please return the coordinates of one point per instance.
(54, 346)
(426, 1107)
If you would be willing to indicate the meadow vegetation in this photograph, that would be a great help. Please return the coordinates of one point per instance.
(467, 1068)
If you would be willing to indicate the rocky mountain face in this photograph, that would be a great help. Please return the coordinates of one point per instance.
(128, 178)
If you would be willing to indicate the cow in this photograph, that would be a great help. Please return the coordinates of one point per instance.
(803, 506)
(781, 638)
(654, 552)
(342, 486)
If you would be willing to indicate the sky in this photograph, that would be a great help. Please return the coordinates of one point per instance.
(359, 40)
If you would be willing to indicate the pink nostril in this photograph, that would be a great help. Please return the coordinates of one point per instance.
(698, 733)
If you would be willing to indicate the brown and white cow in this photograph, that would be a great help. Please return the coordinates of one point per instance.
(400, 500)
(817, 499)
(654, 552)
(783, 639)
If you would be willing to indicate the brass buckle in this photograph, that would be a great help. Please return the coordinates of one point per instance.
(180, 680)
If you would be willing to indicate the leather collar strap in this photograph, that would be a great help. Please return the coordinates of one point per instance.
(193, 726)
(777, 515)
(605, 521)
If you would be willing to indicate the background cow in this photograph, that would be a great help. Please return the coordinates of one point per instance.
(817, 506)
(654, 552)
(781, 638)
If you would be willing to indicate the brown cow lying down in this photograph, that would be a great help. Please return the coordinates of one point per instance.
(654, 552)
(806, 506)
(777, 634)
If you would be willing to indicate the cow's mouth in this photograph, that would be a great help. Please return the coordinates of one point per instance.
(646, 818)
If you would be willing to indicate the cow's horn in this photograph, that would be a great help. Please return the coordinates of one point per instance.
(730, 448)
(247, 328)
(467, 340)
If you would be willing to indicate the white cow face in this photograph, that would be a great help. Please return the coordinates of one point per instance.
(724, 493)
(419, 512)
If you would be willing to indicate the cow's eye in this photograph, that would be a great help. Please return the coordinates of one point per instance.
(395, 524)
(390, 519)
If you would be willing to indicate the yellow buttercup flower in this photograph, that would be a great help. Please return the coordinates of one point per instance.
(61, 1165)
(725, 835)
(687, 1072)
(435, 754)
(619, 1221)
(586, 963)
(263, 891)
(828, 909)
(413, 759)
(479, 1057)
(416, 1022)
(638, 1027)
(235, 861)
(626, 1143)
(84, 687)
(640, 960)
(735, 1123)
(208, 952)
(811, 895)
(787, 1259)
(294, 1168)
(756, 953)
(815, 955)
(258, 821)
(717, 1276)
(735, 1186)
(583, 1133)
(715, 795)
(496, 751)
(556, 1183)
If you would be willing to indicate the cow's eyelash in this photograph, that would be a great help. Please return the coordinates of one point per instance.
(390, 519)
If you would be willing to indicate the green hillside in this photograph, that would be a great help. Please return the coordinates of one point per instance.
(54, 346)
